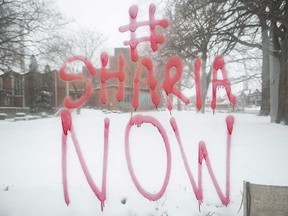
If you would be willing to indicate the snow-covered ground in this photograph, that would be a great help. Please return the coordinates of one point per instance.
(30, 164)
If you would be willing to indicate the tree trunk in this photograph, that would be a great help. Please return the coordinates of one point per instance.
(274, 72)
(274, 86)
(265, 104)
(282, 114)
(204, 84)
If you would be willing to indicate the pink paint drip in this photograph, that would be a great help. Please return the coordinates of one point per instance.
(64, 169)
(169, 82)
(169, 104)
(197, 66)
(152, 82)
(203, 154)
(106, 75)
(219, 64)
(76, 77)
(139, 120)
(67, 126)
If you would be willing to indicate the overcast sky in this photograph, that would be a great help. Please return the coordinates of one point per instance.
(105, 16)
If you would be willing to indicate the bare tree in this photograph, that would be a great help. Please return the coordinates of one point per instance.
(23, 26)
(198, 28)
(272, 17)
(260, 24)
(278, 15)
(69, 43)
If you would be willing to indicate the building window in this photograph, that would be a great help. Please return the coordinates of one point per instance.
(7, 100)
(144, 98)
(17, 86)
(127, 97)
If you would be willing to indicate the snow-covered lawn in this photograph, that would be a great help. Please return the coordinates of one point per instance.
(30, 164)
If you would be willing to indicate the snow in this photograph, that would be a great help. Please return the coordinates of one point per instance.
(30, 164)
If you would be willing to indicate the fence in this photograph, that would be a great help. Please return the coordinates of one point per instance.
(265, 200)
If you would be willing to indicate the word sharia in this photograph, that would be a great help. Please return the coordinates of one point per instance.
(168, 84)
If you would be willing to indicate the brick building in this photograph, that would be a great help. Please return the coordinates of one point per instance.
(130, 67)
(11, 89)
(20, 90)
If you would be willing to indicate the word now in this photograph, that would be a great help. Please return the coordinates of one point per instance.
(168, 84)
(138, 120)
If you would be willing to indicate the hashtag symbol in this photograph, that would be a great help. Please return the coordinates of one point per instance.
(154, 38)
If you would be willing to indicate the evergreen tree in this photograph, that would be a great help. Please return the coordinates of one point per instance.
(43, 102)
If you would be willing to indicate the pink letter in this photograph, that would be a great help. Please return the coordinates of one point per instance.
(152, 82)
(105, 75)
(169, 82)
(70, 77)
(138, 120)
(203, 154)
(219, 64)
(154, 38)
(67, 126)
(197, 66)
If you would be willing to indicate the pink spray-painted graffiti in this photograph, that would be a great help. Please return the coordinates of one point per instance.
(152, 82)
(154, 38)
(197, 65)
(169, 82)
(219, 64)
(105, 75)
(70, 77)
(203, 154)
(67, 126)
(139, 120)
(168, 86)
